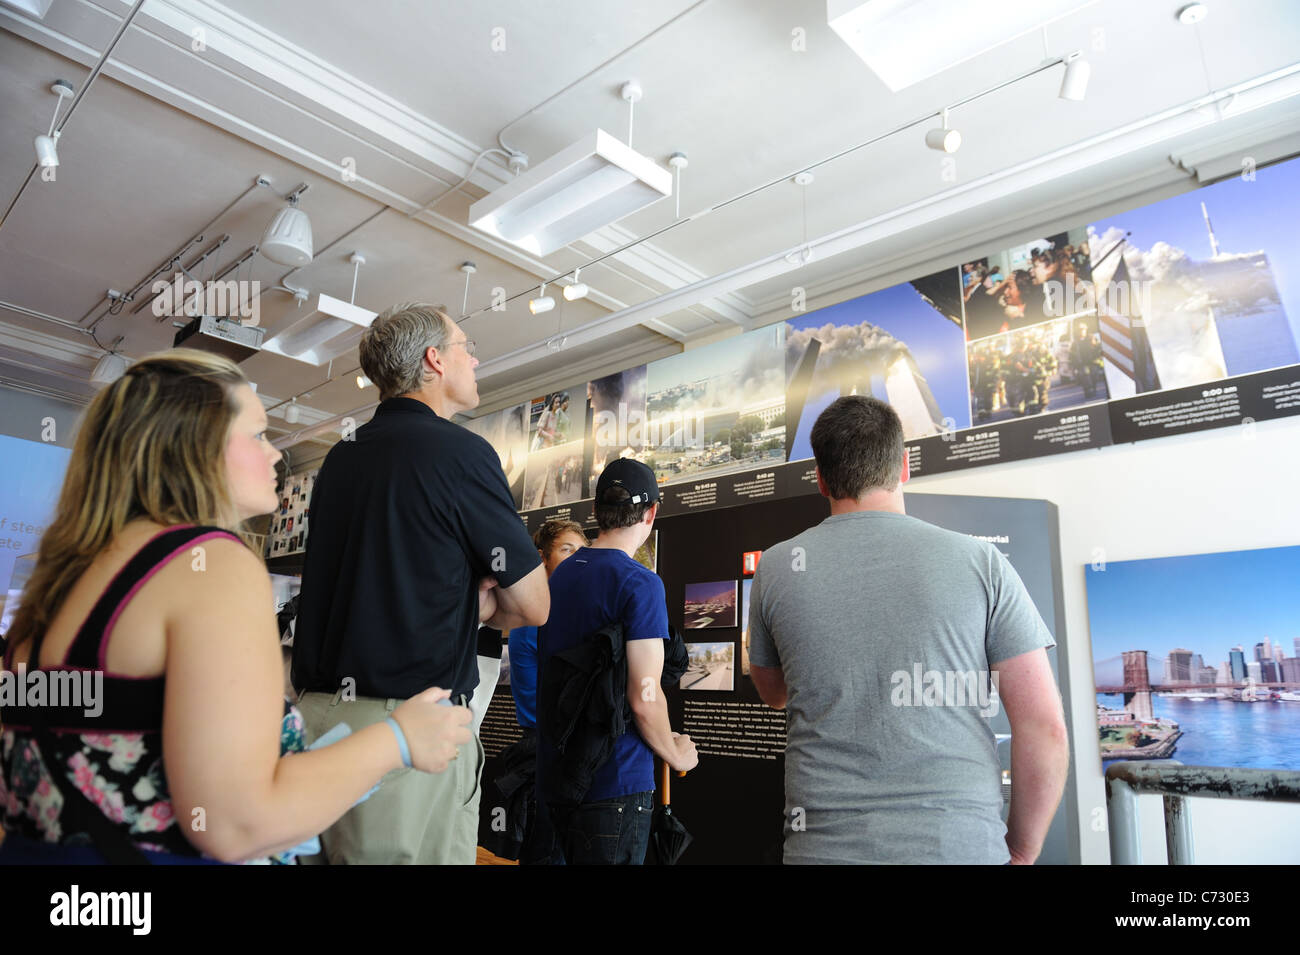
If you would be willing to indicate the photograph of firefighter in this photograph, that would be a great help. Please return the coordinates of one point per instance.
(1051, 366)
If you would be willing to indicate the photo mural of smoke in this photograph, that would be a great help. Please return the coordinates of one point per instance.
(718, 409)
(894, 344)
(507, 431)
(1213, 276)
(618, 419)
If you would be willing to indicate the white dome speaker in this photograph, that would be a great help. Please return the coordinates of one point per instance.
(288, 238)
(109, 368)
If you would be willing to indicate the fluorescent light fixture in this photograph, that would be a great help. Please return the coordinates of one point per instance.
(332, 328)
(109, 368)
(591, 184)
(34, 8)
(906, 41)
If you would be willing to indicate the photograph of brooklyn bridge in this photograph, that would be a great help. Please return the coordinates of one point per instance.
(1197, 658)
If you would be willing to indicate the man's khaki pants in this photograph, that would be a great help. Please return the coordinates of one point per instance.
(415, 818)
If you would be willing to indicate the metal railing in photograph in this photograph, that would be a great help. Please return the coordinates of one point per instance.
(1175, 782)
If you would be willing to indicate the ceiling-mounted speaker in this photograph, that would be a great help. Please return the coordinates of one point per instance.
(287, 240)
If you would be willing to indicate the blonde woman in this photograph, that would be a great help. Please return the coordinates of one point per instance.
(143, 577)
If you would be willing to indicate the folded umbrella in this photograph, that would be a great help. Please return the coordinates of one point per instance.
(668, 837)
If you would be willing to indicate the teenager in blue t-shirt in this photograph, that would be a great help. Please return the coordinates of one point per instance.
(593, 588)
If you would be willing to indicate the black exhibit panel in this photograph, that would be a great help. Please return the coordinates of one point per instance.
(733, 802)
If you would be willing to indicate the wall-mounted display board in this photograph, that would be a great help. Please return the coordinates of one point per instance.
(733, 803)
(31, 475)
(287, 533)
(1177, 316)
(1197, 658)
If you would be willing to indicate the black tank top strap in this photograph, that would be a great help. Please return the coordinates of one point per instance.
(90, 644)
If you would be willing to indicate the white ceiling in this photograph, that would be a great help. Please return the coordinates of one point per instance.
(410, 93)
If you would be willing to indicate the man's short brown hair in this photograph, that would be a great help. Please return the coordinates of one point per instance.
(858, 444)
(550, 532)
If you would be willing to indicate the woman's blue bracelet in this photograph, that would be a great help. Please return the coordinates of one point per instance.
(401, 742)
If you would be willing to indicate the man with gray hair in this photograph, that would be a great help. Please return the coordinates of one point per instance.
(414, 541)
(845, 619)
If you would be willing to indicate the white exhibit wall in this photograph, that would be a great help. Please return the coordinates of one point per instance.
(1228, 489)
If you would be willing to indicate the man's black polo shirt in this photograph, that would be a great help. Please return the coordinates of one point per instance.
(406, 518)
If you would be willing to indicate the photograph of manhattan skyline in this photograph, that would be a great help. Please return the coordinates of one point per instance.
(1220, 638)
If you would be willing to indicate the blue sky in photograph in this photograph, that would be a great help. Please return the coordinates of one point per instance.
(1262, 215)
(31, 475)
(1206, 603)
(710, 590)
(937, 343)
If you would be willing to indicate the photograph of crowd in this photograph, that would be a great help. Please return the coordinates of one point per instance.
(1026, 284)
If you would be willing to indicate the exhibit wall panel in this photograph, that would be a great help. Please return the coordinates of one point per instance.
(1220, 490)
(28, 416)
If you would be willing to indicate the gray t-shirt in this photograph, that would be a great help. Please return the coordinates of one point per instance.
(886, 627)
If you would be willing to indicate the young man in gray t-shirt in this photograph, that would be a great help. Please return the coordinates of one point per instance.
(892, 642)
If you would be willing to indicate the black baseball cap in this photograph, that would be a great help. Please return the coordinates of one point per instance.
(630, 475)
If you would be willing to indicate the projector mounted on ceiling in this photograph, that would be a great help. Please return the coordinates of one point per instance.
(906, 41)
(220, 335)
(591, 184)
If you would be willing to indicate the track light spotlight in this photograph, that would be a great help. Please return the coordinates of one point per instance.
(543, 302)
(363, 381)
(1074, 85)
(942, 138)
(47, 146)
(577, 290)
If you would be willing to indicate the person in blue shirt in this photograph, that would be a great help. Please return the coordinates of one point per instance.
(555, 540)
(595, 587)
